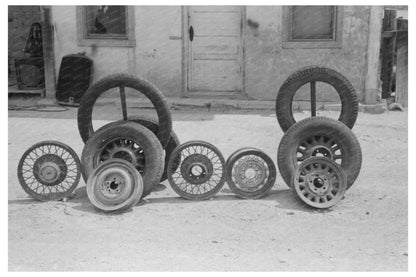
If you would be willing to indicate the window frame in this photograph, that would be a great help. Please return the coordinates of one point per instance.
(288, 42)
(106, 41)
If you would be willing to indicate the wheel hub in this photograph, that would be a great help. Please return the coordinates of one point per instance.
(321, 151)
(50, 170)
(196, 169)
(318, 184)
(114, 184)
(250, 173)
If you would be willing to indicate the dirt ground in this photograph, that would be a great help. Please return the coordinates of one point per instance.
(367, 231)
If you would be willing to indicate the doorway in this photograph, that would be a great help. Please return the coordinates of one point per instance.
(213, 50)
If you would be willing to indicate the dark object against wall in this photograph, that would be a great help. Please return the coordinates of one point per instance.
(75, 76)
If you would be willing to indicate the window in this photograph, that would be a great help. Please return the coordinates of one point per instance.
(312, 27)
(106, 26)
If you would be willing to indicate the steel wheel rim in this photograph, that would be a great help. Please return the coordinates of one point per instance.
(114, 185)
(319, 182)
(49, 170)
(192, 155)
(320, 145)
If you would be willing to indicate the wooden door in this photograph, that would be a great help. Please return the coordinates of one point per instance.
(214, 50)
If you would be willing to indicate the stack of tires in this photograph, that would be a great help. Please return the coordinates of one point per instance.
(144, 143)
(319, 158)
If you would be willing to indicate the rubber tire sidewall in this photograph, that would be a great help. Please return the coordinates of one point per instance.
(150, 144)
(153, 126)
(286, 155)
(142, 86)
(346, 92)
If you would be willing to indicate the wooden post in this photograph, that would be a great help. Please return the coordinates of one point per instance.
(48, 52)
(373, 52)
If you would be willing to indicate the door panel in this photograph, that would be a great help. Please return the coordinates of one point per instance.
(215, 52)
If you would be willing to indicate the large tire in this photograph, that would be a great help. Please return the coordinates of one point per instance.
(319, 136)
(346, 92)
(151, 168)
(153, 126)
(123, 80)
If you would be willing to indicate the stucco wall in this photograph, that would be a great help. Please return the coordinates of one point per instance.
(268, 64)
(156, 57)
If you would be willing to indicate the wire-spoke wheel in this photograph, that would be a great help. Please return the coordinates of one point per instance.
(200, 173)
(250, 173)
(115, 185)
(49, 170)
(319, 182)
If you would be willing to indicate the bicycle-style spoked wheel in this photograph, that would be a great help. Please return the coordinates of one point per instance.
(49, 170)
(201, 171)
(319, 182)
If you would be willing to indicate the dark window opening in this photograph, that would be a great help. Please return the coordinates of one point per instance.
(106, 21)
(313, 22)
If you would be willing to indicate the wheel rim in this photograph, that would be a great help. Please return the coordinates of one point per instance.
(125, 149)
(250, 173)
(319, 182)
(200, 173)
(114, 185)
(319, 146)
(49, 170)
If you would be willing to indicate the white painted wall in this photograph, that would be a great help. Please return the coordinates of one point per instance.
(157, 56)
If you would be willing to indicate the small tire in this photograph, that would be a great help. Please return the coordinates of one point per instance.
(319, 136)
(262, 162)
(153, 126)
(346, 92)
(150, 162)
(123, 80)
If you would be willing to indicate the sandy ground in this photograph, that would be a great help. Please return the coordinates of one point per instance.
(367, 231)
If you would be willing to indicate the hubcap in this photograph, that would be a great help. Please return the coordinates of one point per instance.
(50, 170)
